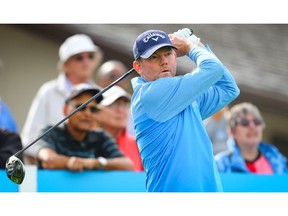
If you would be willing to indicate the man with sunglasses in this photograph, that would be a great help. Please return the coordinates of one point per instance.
(248, 153)
(75, 145)
(78, 58)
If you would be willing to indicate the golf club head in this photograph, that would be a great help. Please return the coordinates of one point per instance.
(15, 169)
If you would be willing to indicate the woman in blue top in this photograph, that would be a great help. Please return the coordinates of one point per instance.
(248, 154)
(168, 111)
(7, 120)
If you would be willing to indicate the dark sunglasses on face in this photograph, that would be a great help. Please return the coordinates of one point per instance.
(82, 57)
(246, 122)
(93, 109)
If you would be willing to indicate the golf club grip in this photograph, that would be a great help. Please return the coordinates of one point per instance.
(76, 110)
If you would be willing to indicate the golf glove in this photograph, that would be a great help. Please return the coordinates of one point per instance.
(188, 33)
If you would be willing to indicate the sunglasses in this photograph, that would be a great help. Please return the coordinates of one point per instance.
(93, 109)
(246, 123)
(82, 57)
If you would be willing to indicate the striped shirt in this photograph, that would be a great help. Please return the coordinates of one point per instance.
(97, 143)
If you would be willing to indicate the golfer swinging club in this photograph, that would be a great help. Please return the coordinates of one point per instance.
(168, 111)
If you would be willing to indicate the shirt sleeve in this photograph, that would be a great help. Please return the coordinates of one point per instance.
(219, 95)
(10, 143)
(36, 117)
(45, 142)
(167, 97)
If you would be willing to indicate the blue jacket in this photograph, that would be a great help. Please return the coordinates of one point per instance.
(232, 160)
(7, 120)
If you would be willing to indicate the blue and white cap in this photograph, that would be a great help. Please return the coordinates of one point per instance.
(149, 42)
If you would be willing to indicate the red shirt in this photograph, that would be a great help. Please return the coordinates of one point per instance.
(260, 166)
(127, 144)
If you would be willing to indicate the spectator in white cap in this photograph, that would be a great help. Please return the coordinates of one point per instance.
(113, 117)
(78, 58)
(108, 73)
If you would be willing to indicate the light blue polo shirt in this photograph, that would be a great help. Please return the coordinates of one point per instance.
(176, 151)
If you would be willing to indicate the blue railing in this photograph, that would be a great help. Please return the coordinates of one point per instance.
(126, 181)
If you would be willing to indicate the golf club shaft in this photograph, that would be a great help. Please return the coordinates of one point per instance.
(76, 110)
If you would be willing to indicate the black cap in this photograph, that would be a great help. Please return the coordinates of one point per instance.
(84, 87)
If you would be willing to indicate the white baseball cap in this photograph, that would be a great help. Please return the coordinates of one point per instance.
(77, 44)
(114, 93)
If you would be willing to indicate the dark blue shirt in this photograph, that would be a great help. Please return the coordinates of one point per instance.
(10, 143)
(97, 143)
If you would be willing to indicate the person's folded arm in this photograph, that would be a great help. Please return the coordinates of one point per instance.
(49, 159)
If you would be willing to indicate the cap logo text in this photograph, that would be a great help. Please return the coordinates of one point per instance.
(151, 35)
